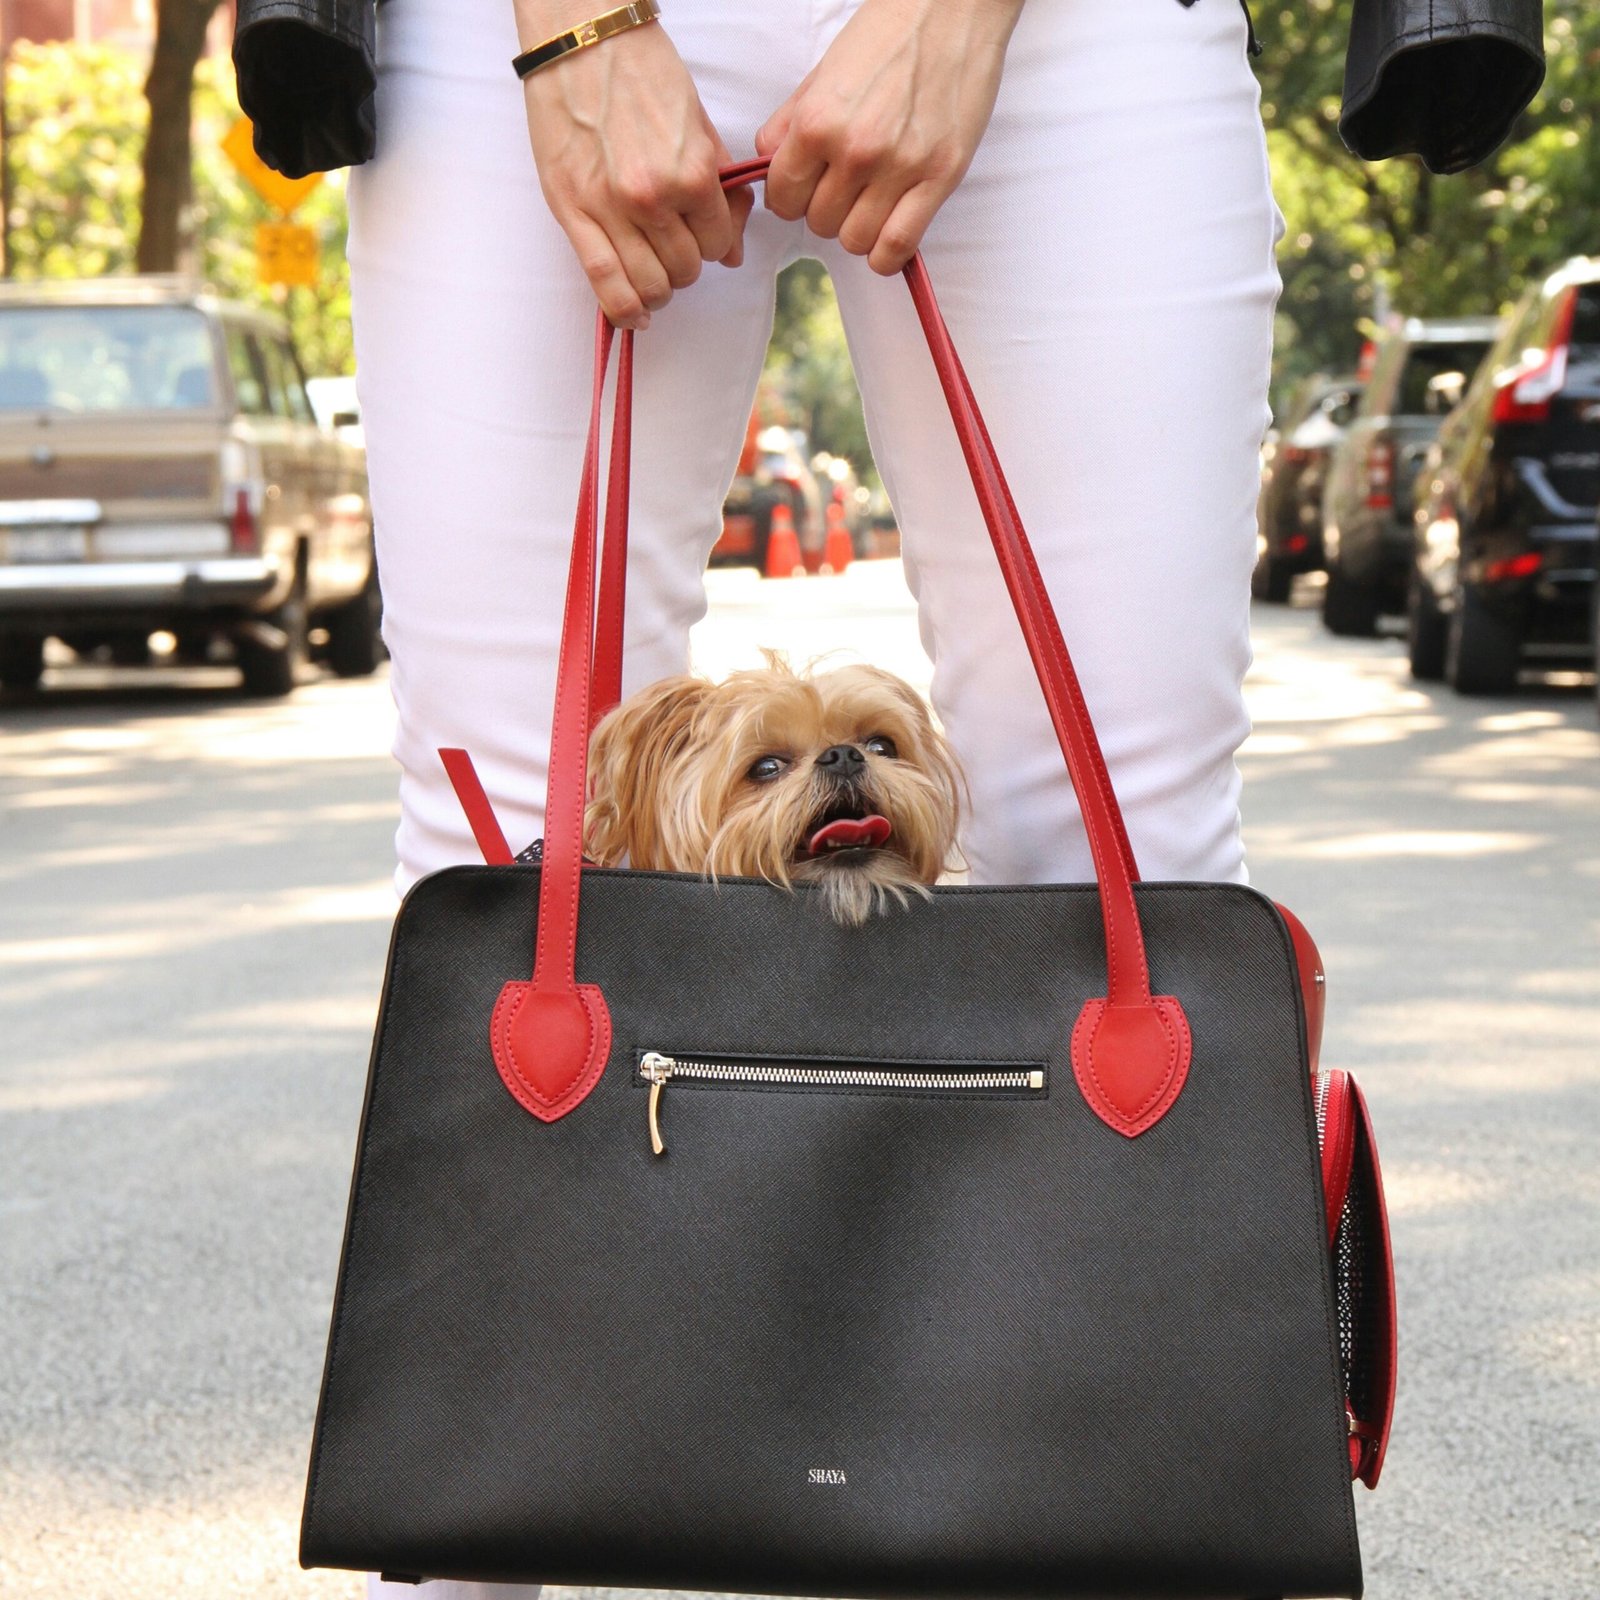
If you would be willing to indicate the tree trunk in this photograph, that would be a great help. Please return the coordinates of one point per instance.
(180, 38)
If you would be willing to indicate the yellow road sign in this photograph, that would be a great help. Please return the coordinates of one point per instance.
(281, 193)
(285, 253)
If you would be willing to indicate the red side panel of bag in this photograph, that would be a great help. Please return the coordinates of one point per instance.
(1353, 1181)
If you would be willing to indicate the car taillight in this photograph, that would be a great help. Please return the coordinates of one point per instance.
(1524, 392)
(243, 530)
(1380, 474)
(1523, 566)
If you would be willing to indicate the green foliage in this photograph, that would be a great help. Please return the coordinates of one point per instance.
(1363, 238)
(808, 365)
(78, 119)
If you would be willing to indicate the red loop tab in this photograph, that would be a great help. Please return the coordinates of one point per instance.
(550, 1048)
(1131, 1061)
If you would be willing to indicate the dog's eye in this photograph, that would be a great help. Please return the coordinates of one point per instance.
(881, 744)
(766, 769)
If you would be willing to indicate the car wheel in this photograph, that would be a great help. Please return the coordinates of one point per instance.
(21, 662)
(271, 666)
(1349, 609)
(355, 646)
(1271, 580)
(1482, 652)
(1426, 632)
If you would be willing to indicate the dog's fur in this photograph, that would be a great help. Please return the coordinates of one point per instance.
(675, 783)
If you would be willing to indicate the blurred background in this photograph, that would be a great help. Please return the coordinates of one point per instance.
(197, 801)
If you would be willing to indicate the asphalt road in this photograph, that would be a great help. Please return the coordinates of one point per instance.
(194, 906)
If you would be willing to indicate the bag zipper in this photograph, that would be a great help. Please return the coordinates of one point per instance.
(655, 1068)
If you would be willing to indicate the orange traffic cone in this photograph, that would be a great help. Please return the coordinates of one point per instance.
(783, 545)
(837, 552)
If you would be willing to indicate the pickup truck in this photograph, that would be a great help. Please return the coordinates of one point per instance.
(162, 470)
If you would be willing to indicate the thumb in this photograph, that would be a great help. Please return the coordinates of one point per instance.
(775, 129)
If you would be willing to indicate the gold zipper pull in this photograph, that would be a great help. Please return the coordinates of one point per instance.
(657, 1068)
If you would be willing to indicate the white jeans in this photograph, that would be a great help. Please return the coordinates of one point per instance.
(1106, 268)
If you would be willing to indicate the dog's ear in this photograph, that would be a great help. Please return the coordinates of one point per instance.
(631, 754)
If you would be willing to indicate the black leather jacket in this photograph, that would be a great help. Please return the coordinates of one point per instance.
(1442, 79)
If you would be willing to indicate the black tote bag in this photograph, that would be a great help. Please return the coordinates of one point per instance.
(987, 1256)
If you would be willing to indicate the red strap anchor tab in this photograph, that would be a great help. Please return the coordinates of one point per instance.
(550, 1036)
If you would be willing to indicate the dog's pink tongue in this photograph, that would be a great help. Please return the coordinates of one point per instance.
(850, 833)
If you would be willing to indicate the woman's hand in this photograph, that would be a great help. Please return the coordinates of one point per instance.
(884, 127)
(628, 162)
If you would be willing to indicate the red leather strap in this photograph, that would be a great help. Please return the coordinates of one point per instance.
(550, 1038)
(475, 803)
(1130, 1050)
(614, 564)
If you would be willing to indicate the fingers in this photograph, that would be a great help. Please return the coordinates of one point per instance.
(738, 203)
(904, 227)
(610, 276)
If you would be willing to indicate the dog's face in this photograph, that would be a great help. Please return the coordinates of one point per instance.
(840, 780)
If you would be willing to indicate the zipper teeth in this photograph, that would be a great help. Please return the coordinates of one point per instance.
(851, 1077)
(1323, 1085)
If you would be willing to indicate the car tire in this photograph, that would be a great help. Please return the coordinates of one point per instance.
(1482, 651)
(355, 646)
(1271, 581)
(1427, 632)
(1349, 609)
(21, 662)
(270, 671)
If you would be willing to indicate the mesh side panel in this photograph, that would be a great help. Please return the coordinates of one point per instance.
(1347, 1285)
(1366, 1270)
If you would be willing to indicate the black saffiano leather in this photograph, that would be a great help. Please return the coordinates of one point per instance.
(847, 1344)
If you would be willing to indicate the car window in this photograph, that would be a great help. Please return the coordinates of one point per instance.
(1421, 393)
(249, 373)
(288, 384)
(86, 358)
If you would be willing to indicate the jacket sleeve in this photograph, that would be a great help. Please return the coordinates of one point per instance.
(1442, 79)
(307, 70)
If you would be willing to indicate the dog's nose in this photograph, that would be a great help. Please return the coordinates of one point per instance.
(842, 761)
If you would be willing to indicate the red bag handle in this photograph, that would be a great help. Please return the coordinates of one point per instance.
(1130, 1050)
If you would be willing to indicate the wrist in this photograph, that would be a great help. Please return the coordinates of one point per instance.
(965, 22)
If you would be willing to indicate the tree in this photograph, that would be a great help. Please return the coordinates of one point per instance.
(1364, 234)
(180, 38)
(78, 129)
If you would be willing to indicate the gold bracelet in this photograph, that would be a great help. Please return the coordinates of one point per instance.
(586, 33)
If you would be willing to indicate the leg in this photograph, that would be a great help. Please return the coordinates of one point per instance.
(474, 332)
(1106, 268)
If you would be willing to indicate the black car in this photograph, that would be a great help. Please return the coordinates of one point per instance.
(1420, 371)
(1505, 543)
(1294, 464)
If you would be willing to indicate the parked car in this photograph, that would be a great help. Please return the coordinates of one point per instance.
(1504, 549)
(772, 470)
(1294, 463)
(1420, 370)
(161, 468)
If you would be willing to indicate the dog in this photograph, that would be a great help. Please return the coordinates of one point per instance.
(838, 780)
